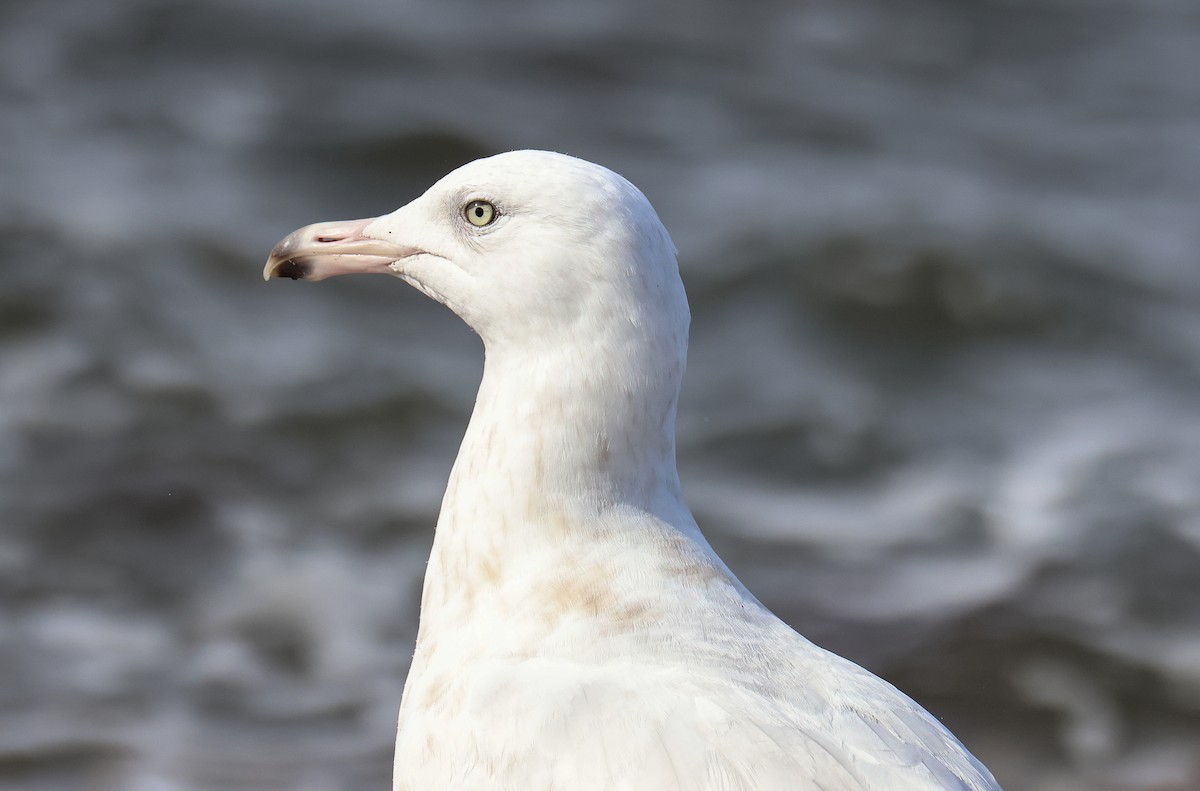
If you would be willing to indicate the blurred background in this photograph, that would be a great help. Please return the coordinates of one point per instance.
(942, 411)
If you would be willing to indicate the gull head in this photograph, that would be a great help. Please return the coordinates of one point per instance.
(527, 247)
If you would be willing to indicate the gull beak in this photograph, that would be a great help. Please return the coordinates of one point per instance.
(325, 249)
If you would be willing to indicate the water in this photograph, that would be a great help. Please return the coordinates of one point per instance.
(941, 411)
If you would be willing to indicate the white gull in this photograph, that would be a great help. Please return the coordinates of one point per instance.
(577, 631)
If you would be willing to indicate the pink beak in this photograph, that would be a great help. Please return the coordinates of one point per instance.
(325, 249)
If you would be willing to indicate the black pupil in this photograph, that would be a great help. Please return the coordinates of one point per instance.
(479, 211)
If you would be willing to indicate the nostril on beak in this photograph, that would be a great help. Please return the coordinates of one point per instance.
(330, 238)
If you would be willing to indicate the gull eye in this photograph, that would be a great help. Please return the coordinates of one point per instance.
(479, 213)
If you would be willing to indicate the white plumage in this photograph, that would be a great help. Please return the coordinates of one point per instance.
(577, 631)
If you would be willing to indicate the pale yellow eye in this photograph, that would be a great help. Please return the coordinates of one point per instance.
(479, 213)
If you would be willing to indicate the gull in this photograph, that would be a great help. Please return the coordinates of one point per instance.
(577, 631)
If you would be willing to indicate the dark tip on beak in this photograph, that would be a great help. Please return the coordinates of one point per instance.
(292, 269)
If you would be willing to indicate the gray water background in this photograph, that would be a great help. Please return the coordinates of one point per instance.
(942, 411)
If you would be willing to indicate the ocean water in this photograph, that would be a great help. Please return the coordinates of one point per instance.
(942, 411)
